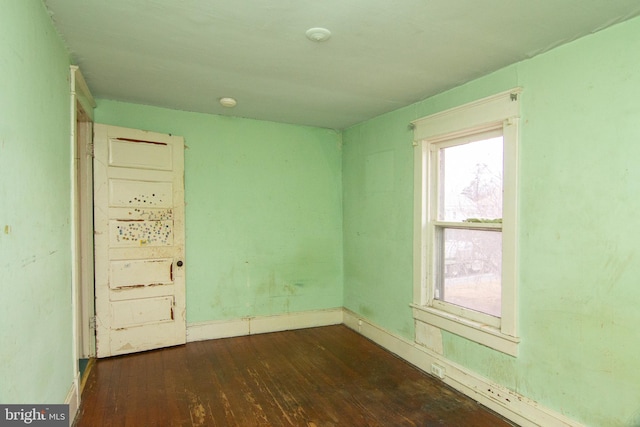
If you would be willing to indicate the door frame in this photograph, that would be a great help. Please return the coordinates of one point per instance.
(82, 289)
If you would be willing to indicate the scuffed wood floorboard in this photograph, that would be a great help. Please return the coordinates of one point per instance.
(318, 377)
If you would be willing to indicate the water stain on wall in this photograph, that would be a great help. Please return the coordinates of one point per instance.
(366, 311)
(634, 420)
(615, 266)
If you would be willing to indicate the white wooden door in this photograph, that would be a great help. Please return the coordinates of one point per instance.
(139, 240)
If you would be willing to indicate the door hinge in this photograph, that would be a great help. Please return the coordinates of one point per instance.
(92, 322)
(90, 149)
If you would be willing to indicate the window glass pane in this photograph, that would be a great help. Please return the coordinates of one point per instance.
(471, 274)
(471, 181)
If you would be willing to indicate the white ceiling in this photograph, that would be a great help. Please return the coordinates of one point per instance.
(382, 55)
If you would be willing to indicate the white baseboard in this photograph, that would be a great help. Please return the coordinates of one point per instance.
(260, 325)
(519, 409)
(73, 399)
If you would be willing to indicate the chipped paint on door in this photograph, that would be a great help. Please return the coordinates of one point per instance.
(139, 225)
(140, 154)
(130, 313)
(144, 272)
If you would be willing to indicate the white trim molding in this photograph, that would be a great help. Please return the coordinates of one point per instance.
(81, 91)
(475, 115)
(73, 400)
(262, 324)
(81, 105)
(476, 331)
(513, 406)
(496, 115)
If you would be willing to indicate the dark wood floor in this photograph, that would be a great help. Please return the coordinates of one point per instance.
(328, 376)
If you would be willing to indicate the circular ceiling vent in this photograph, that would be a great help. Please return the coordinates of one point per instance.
(228, 102)
(318, 34)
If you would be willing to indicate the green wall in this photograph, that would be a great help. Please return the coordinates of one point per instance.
(275, 211)
(579, 204)
(36, 363)
(263, 213)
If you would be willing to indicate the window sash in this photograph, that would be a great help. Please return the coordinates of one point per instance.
(436, 237)
(437, 279)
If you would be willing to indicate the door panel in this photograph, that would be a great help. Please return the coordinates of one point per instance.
(140, 154)
(139, 239)
(140, 194)
(142, 311)
(138, 232)
(145, 272)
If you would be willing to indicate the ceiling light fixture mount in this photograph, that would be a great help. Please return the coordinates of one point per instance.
(318, 34)
(228, 102)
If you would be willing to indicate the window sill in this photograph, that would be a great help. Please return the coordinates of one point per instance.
(474, 331)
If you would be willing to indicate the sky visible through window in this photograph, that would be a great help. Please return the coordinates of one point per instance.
(471, 177)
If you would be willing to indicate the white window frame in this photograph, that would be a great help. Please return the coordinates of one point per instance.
(501, 111)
